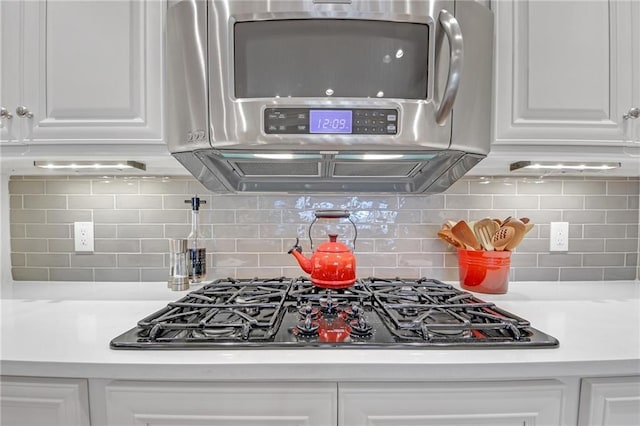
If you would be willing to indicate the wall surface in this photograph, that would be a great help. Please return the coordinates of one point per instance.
(135, 216)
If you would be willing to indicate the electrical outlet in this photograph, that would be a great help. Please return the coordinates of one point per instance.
(559, 236)
(83, 236)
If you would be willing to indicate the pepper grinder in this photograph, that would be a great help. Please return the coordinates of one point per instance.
(178, 269)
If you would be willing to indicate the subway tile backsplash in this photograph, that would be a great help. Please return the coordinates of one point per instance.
(250, 234)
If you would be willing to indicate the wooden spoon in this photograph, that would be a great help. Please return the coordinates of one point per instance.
(484, 230)
(464, 233)
(502, 237)
(520, 230)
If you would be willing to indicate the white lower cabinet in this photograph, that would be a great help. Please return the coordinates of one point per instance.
(610, 401)
(26, 401)
(613, 401)
(539, 402)
(213, 404)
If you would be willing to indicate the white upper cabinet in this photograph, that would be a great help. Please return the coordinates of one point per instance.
(82, 71)
(566, 71)
(9, 74)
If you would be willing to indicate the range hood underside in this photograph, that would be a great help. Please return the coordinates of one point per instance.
(423, 172)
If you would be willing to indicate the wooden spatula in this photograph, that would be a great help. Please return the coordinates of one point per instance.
(465, 234)
(447, 236)
(484, 230)
(503, 237)
(519, 231)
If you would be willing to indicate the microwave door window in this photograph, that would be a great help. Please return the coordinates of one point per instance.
(331, 57)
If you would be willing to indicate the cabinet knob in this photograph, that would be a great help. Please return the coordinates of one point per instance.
(24, 112)
(632, 113)
(4, 113)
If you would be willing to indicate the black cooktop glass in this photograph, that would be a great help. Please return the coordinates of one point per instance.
(292, 313)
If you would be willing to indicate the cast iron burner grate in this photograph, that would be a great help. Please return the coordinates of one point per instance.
(428, 310)
(230, 310)
(292, 313)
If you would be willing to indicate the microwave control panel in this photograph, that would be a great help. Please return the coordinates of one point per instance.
(304, 121)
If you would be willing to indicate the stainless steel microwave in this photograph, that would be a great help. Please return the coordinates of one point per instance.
(329, 95)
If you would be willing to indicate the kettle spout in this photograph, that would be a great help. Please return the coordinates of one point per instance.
(304, 262)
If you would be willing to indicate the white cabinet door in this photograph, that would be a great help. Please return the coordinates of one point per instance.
(563, 71)
(633, 124)
(610, 401)
(10, 77)
(465, 403)
(88, 71)
(213, 404)
(43, 401)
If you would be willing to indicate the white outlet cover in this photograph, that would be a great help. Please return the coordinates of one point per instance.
(83, 236)
(559, 236)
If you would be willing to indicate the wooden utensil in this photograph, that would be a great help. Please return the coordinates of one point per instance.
(446, 236)
(528, 227)
(448, 224)
(502, 237)
(519, 231)
(465, 234)
(484, 230)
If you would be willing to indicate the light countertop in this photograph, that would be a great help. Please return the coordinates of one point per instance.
(64, 330)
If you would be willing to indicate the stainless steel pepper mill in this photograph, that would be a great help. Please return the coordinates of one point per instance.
(178, 270)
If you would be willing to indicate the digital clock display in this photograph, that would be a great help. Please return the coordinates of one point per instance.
(330, 121)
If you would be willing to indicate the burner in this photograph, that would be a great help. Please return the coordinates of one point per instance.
(308, 327)
(408, 311)
(309, 311)
(328, 305)
(213, 332)
(251, 311)
(354, 311)
(360, 326)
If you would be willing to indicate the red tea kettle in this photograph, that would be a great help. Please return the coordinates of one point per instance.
(332, 265)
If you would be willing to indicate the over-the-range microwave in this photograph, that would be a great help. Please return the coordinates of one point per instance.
(329, 95)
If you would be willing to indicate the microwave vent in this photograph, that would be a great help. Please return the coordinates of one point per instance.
(233, 171)
(374, 169)
(265, 168)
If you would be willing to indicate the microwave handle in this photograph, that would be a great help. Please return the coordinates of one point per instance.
(454, 35)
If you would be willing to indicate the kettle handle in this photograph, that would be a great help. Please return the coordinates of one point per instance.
(333, 214)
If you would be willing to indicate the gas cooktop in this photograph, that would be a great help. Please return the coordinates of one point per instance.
(293, 313)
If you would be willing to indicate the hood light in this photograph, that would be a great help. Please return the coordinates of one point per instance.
(565, 166)
(381, 156)
(270, 156)
(275, 156)
(90, 165)
(319, 156)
